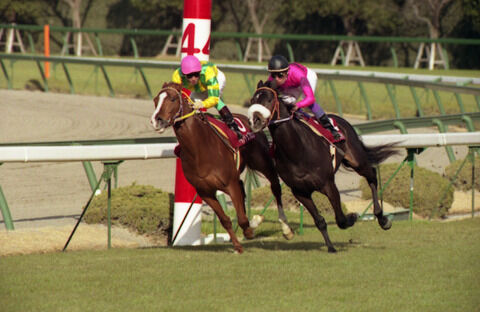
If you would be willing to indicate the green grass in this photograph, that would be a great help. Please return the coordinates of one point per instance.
(416, 266)
(127, 82)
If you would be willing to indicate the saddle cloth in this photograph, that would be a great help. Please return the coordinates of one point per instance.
(318, 129)
(226, 132)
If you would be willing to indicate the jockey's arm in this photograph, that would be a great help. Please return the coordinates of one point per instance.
(309, 97)
(213, 88)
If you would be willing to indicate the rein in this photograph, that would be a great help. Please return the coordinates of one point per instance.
(276, 108)
(179, 116)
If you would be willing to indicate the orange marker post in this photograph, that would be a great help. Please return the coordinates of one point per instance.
(46, 48)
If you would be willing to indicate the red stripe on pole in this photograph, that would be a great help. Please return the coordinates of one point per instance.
(184, 191)
(197, 9)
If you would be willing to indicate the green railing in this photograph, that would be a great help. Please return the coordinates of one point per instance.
(433, 84)
(287, 38)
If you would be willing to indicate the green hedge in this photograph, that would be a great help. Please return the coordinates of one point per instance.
(141, 208)
(463, 181)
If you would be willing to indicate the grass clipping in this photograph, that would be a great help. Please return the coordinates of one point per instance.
(140, 208)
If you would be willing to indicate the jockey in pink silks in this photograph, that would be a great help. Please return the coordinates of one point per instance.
(294, 80)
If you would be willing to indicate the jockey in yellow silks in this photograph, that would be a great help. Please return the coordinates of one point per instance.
(206, 82)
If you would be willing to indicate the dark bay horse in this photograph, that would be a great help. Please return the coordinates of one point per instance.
(304, 160)
(210, 164)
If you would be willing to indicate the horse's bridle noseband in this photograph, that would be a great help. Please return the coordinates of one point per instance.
(179, 115)
(276, 107)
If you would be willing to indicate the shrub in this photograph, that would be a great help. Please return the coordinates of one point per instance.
(463, 182)
(261, 195)
(141, 208)
(429, 186)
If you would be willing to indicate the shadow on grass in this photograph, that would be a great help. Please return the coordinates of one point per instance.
(277, 244)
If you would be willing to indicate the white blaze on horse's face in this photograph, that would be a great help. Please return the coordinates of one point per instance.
(258, 115)
(154, 120)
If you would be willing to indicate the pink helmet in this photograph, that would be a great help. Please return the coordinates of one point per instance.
(190, 64)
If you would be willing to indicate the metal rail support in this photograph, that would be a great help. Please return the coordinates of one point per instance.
(410, 159)
(109, 167)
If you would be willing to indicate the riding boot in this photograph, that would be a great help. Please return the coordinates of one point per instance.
(325, 121)
(227, 117)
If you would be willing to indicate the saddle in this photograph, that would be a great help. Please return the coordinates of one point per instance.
(223, 130)
(319, 130)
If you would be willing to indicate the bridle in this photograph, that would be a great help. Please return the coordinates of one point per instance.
(179, 116)
(276, 108)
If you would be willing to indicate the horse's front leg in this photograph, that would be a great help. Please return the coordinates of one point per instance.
(224, 220)
(238, 199)
(343, 221)
(307, 202)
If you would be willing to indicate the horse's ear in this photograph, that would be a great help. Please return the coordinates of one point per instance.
(271, 84)
(164, 84)
(259, 84)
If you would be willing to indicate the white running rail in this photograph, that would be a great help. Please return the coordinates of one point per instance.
(53, 153)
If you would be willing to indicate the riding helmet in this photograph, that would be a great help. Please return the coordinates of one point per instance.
(278, 63)
(190, 64)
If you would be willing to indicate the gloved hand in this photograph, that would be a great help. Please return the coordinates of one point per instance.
(198, 104)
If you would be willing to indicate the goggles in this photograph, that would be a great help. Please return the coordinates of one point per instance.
(279, 74)
(196, 74)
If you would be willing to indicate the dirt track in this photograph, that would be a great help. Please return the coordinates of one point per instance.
(53, 194)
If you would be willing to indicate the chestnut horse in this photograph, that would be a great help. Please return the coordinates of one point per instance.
(209, 162)
(305, 162)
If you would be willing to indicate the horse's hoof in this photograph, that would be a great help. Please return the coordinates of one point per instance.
(256, 221)
(286, 230)
(349, 221)
(352, 218)
(386, 223)
(289, 235)
(248, 233)
(332, 250)
(238, 250)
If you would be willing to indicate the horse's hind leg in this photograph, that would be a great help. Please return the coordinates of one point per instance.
(343, 221)
(307, 202)
(265, 165)
(370, 174)
(383, 220)
(225, 221)
(358, 161)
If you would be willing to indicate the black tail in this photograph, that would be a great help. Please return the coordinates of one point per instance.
(377, 154)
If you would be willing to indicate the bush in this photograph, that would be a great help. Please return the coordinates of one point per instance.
(261, 195)
(463, 182)
(429, 186)
(142, 208)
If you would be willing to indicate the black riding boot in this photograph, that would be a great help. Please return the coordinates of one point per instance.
(325, 121)
(227, 117)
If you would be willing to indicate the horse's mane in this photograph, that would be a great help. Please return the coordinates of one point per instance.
(172, 84)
